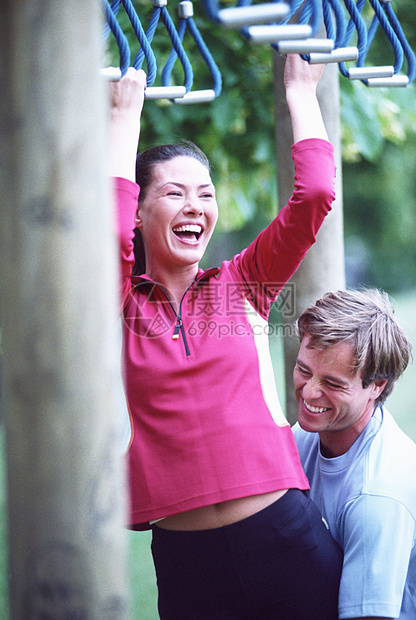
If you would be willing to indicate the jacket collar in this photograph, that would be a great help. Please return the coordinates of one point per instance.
(201, 276)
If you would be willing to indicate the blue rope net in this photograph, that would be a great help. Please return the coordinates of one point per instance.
(385, 19)
(350, 26)
(159, 18)
(340, 31)
(122, 43)
(160, 13)
(187, 23)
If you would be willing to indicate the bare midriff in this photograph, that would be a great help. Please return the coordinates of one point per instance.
(218, 515)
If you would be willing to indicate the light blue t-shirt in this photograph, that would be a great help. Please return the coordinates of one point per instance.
(368, 498)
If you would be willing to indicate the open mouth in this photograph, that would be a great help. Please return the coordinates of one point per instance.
(315, 409)
(188, 232)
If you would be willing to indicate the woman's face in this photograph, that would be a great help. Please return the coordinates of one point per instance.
(178, 214)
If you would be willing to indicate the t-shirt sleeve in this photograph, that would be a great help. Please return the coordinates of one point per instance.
(377, 535)
(273, 257)
(126, 197)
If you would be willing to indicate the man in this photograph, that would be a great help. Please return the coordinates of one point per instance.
(360, 465)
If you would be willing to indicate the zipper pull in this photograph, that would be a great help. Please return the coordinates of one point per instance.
(178, 325)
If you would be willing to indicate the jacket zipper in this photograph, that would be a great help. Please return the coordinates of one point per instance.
(179, 327)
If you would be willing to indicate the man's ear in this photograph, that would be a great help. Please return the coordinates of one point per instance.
(138, 219)
(378, 387)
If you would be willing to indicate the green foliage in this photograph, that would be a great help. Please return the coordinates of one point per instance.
(379, 142)
(370, 117)
(380, 218)
(373, 116)
(237, 131)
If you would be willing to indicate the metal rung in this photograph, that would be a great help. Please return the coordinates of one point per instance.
(196, 96)
(111, 74)
(306, 46)
(341, 54)
(239, 17)
(276, 33)
(396, 80)
(364, 73)
(185, 9)
(164, 92)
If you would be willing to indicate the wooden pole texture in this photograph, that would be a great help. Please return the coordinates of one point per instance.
(66, 502)
(323, 268)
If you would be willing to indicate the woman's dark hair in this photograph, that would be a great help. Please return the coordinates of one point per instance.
(145, 163)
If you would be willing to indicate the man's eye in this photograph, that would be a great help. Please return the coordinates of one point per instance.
(302, 371)
(334, 386)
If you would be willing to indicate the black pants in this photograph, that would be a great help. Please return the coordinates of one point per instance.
(279, 564)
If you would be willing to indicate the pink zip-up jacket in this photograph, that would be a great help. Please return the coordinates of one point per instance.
(206, 421)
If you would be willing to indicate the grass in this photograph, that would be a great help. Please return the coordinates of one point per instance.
(402, 404)
(4, 610)
(143, 578)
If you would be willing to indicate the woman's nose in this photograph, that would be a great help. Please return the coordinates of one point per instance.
(193, 206)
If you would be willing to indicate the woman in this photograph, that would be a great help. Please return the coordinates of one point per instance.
(214, 469)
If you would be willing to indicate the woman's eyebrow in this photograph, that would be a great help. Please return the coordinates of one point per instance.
(183, 185)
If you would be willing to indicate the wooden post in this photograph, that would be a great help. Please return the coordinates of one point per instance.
(67, 546)
(323, 268)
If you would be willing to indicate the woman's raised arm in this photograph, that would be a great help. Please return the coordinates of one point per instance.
(301, 80)
(127, 96)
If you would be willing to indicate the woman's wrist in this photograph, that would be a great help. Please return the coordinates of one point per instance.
(306, 117)
(124, 140)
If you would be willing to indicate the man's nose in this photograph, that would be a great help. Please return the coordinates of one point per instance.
(312, 389)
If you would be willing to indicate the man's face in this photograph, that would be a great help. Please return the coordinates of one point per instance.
(330, 396)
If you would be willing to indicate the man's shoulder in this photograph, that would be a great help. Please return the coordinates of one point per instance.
(308, 445)
(304, 437)
(392, 440)
(391, 463)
